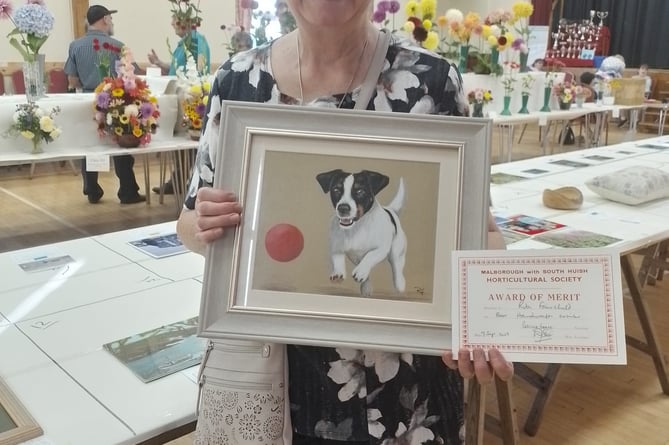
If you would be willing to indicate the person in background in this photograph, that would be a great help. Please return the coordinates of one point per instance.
(185, 21)
(537, 65)
(335, 394)
(612, 67)
(82, 71)
(643, 74)
(585, 79)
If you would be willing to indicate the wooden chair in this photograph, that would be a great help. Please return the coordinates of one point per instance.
(57, 81)
(18, 84)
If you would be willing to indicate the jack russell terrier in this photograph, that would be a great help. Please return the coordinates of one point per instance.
(362, 230)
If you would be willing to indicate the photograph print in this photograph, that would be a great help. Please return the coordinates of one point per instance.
(347, 226)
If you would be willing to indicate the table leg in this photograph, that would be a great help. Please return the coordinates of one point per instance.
(544, 131)
(545, 384)
(652, 346)
(474, 413)
(662, 117)
(147, 179)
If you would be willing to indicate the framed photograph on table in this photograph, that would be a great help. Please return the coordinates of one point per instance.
(348, 225)
(16, 423)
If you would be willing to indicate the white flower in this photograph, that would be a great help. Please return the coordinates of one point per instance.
(454, 16)
(46, 124)
(55, 133)
(39, 112)
(109, 120)
(27, 134)
(17, 116)
(131, 110)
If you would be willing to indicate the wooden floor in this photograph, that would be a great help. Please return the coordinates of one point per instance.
(592, 405)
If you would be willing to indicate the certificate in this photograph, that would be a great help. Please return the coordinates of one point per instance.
(544, 306)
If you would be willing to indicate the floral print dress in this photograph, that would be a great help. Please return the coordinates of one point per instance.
(343, 394)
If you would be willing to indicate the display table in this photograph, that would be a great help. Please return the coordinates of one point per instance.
(640, 229)
(53, 325)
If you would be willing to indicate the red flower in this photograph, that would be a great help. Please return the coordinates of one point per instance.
(501, 40)
(105, 45)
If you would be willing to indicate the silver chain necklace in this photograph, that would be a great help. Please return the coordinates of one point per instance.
(350, 82)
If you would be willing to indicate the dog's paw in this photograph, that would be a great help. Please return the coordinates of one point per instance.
(366, 288)
(337, 277)
(360, 274)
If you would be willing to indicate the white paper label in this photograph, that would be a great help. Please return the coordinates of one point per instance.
(615, 112)
(97, 163)
(152, 71)
(543, 120)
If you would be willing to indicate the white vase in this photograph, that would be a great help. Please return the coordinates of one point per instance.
(33, 78)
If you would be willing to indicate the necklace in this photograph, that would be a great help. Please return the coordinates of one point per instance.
(350, 82)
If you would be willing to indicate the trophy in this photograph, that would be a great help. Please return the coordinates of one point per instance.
(556, 36)
(592, 16)
(602, 15)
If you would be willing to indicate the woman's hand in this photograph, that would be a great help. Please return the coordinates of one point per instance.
(215, 210)
(482, 369)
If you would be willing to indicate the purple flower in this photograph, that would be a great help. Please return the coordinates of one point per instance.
(516, 44)
(5, 9)
(394, 6)
(200, 110)
(383, 6)
(103, 100)
(378, 16)
(146, 109)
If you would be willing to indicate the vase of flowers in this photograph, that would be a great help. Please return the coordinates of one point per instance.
(522, 11)
(477, 99)
(35, 124)
(194, 93)
(579, 96)
(527, 82)
(564, 91)
(421, 24)
(125, 109)
(508, 79)
(107, 54)
(32, 25)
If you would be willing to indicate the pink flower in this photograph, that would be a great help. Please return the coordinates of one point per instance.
(5, 9)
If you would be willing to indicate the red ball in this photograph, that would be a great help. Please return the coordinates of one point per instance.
(284, 242)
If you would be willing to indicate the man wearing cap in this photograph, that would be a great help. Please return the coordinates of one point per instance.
(83, 73)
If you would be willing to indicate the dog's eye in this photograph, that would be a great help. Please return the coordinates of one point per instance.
(360, 193)
(336, 189)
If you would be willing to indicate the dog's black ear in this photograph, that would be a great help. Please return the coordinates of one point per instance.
(377, 181)
(325, 178)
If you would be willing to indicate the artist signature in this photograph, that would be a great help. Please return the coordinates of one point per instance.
(542, 334)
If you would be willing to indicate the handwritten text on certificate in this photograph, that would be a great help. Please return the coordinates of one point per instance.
(552, 306)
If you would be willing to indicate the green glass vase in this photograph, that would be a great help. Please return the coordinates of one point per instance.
(523, 105)
(547, 98)
(507, 104)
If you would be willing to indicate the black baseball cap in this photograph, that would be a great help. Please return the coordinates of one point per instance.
(97, 12)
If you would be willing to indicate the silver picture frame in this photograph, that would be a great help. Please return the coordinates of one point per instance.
(277, 276)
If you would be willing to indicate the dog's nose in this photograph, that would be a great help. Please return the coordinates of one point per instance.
(343, 209)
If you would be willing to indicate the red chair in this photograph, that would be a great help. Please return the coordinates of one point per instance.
(18, 83)
(57, 81)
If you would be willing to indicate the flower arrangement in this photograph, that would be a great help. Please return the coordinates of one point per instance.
(564, 92)
(527, 82)
(552, 66)
(32, 25)
(186, 13)
(383, 9)
(479, 96)
(194, 97)
(35, 124)
(522, 11)
(104, 57)
(420, 25)
(124, 105)
(509, 77)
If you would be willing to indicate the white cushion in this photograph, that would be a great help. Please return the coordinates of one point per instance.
(631, 185)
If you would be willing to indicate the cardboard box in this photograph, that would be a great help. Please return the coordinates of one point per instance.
(628, 91)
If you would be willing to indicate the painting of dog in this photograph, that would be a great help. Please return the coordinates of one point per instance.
(361, 229)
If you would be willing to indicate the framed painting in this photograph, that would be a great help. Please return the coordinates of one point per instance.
(349, 221)
(16, 424)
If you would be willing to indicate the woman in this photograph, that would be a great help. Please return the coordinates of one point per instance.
(336, 395)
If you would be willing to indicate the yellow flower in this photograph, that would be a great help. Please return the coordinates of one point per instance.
(206, 86)
(195, 90)
(429, 8)
(409, 27)
(153, 99)
(118, 130)
(123, 119)
(522, 9)
(487, 96)
(427, 24)
(117, 92)
(412, 8)
(205, 100)
(137, 131)
(492, 40)
(432, 40)
(46, 124)
(442, 21)
(485, 31)
(27, 134)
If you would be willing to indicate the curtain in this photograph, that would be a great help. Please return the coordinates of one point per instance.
(542, 12)
(638, 27)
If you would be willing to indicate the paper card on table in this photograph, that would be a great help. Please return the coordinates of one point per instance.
(97, 163)
(570, 163)
(504, 178)
(615, 113)
(598, 158)
(529, 225)
(543, 119)
(575, 238)
(160, 246)
(152, 71)
(535, 171)
(45, 262)
(543, 306)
